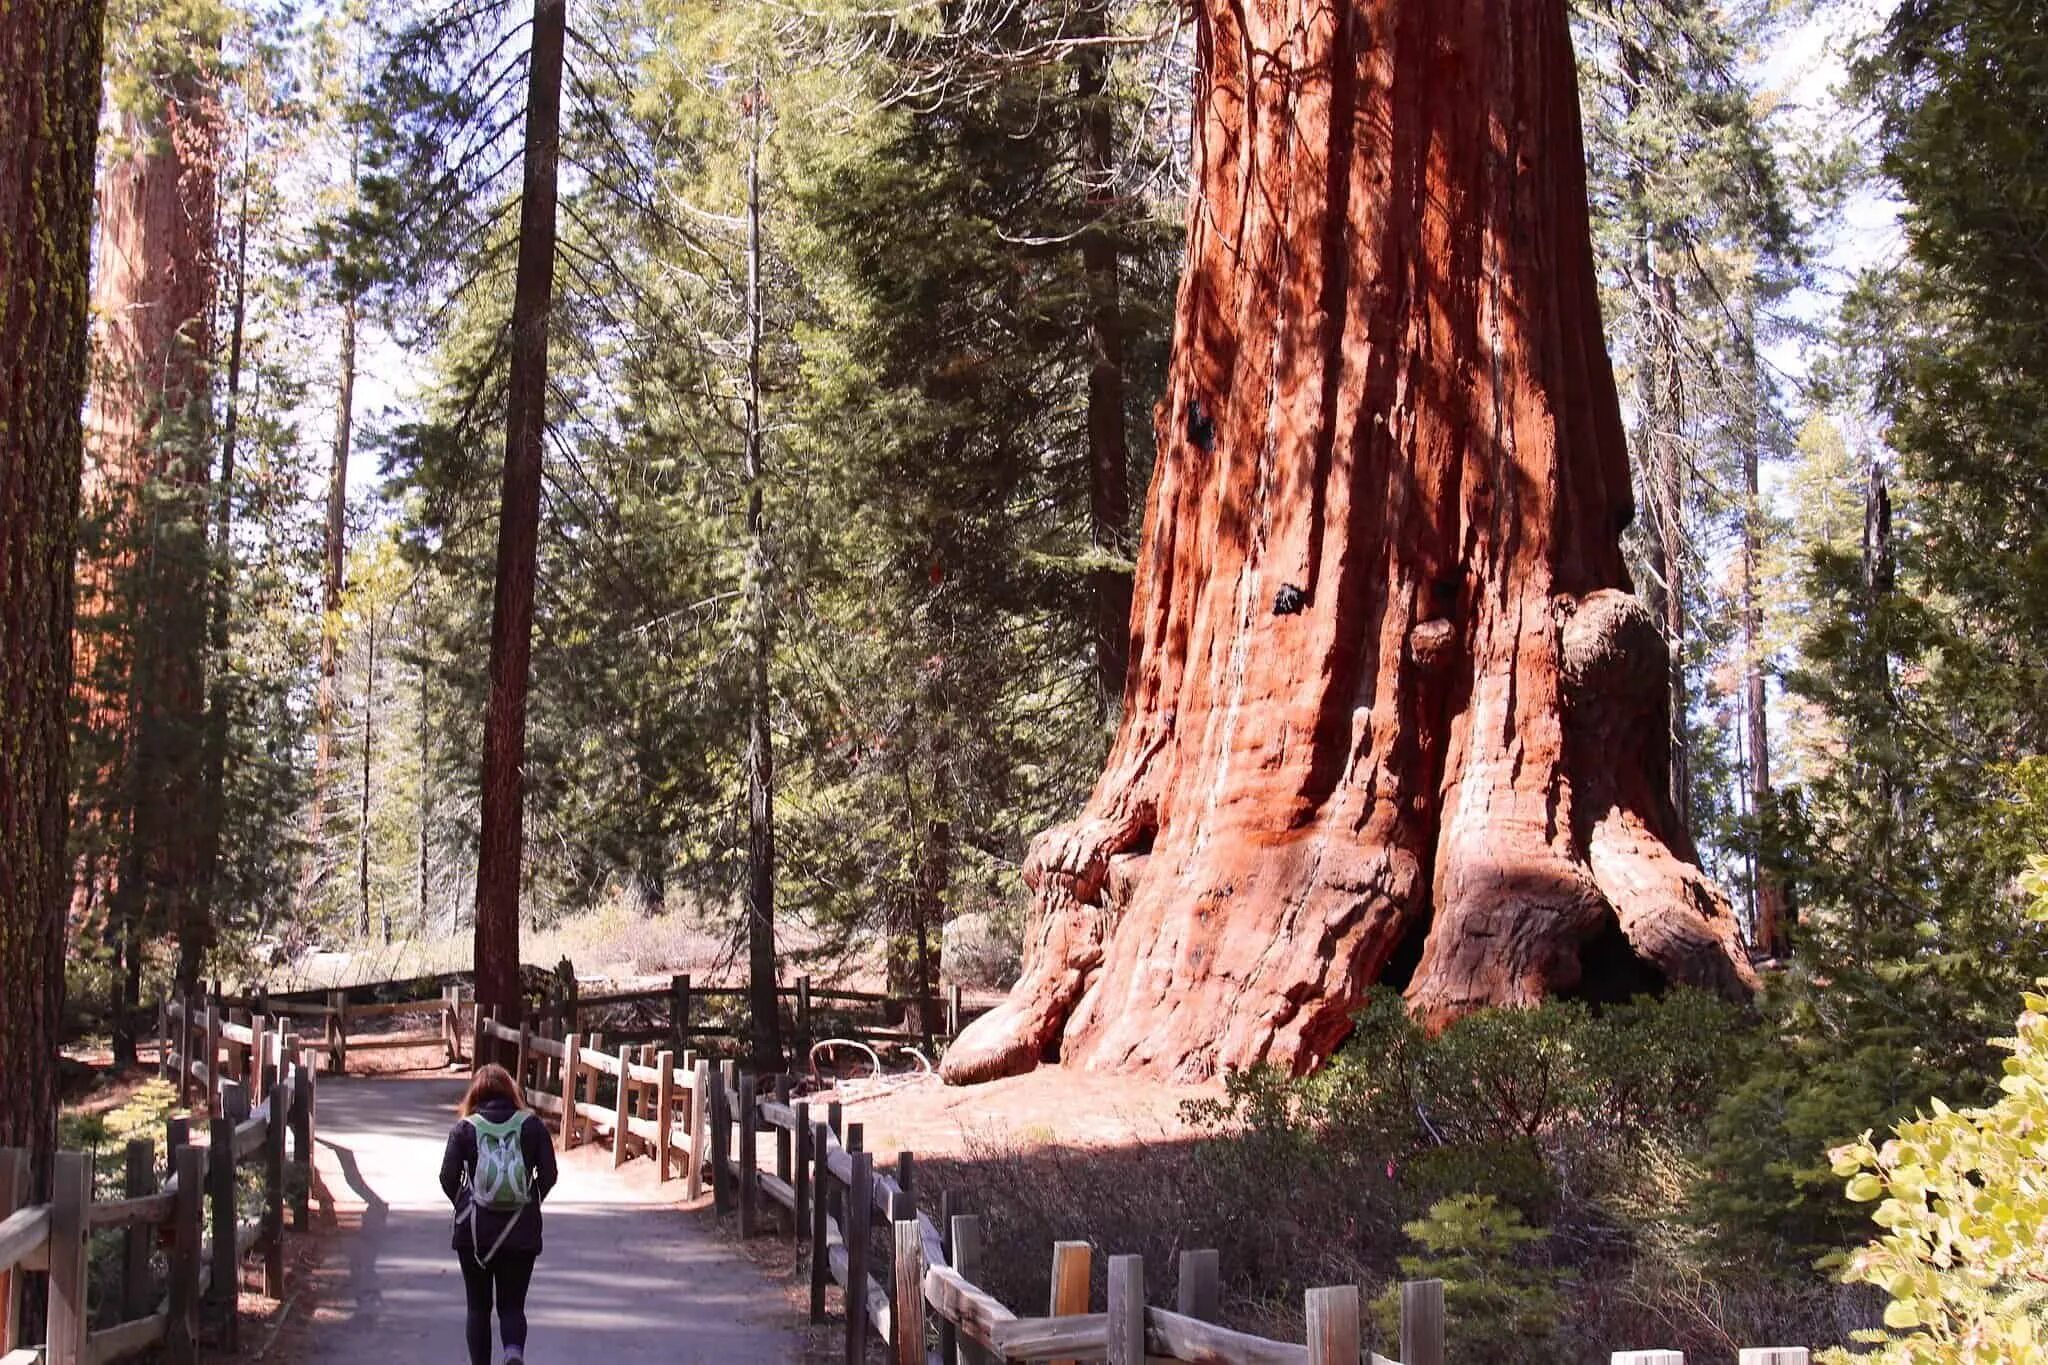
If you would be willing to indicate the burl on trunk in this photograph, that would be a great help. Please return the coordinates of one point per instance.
(1394, 716)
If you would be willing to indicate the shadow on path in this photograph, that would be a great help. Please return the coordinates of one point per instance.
(625, 1278)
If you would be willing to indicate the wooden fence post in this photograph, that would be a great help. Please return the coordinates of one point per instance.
(259, 1037)
(273, 1190)
(1199, 1292)
(1127, 1313)
(1422, 1322)
(1333, 1325)
(1070, 1268)
(13, 1194)
(620, 1136)
(213, 1078)
(966, 1243)
(665, 1111)
(302, 1146)
(803, 1016)
(679, 1010)
(821, 1184)
(163, 1042)
(953, 1011)
(800, 1176)
(138, 1178)
(181, 1335)
(860, 1203)
(700, 1087)
(70, 1196)
(906, 1169)
(750, 1127)
(572, 1064)
(721, 1199)
(184, 1066)
(521, 1059)
(337, 1001)
(906, 1317)
(222, 1293)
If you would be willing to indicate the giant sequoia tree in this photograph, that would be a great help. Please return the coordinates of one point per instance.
(49, 116)
(1393, 714)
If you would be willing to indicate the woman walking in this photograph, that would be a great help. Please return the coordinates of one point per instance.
(498, 1167)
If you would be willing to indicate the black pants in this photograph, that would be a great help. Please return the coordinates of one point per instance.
(506, 1278)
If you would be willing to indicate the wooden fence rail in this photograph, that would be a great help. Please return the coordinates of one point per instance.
(194, 1214)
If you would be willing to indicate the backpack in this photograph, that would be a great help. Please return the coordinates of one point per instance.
(501, 1180)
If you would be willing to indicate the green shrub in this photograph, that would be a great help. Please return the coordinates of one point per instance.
(1498, 1305)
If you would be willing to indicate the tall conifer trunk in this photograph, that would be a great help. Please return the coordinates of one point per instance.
(333, 569)
(1394, 715)
(143, 585)
(503, 825)
(1109, 498)
(760, 616)
(49, 121)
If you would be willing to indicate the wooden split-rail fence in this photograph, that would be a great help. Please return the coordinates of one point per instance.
(682, 1013)
(191, 1212)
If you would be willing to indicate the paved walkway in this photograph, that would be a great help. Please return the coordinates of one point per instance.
(626, 1279)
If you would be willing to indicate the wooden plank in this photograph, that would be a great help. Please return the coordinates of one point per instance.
(24, 1237)
(220, 1192)
(907, 1322)
(379, 1042)
(127, 1213)
(70, 1194)
(1126, 1315)
(1422, 1322)
(572, 1067)
(1177, 1336)
(665, 1113)
(974, 1312)
(1199, 1291)
(138, 1182)
(821, 1189)
(1333, 1328)
(250, 1135)
(700, 1087)
(181, 1338)
(1773, 1355)
(130, 1338)
(778, 1191)
(622, 1128)
(1070, 1267)
(859, 1205)
(14, 1169)
(1648, 1358)
(302, 1145)
(273, 1191)
(1083, 1337)
(800, 1220)
(749, 1157)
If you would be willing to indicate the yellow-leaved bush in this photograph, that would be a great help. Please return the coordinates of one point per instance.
(1962, 1196)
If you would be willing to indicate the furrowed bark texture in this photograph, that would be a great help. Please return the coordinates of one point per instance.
(1393, 714)
(49, 119)
(143, 573)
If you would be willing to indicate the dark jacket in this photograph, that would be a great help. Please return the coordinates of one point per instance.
(458, 1164)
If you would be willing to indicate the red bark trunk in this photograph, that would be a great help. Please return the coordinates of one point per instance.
(1390, 693)
(49, 119)
(143, 584)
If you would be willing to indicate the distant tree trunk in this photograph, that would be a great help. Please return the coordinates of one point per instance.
(144, 587)
(363, 811)
(502, 843)
(760, 762)
(1665, 469)
(49, 121)
(333, 571)
(426, 765)
(1394, 716)
(220, 603)
(1768, 920)
(1109, 498)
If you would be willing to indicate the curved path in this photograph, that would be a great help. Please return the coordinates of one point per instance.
(626, 1279)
